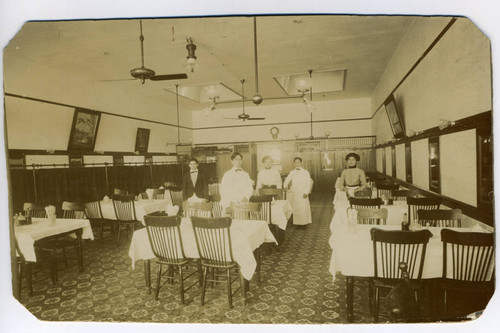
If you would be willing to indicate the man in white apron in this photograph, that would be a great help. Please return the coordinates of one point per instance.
(300, 189)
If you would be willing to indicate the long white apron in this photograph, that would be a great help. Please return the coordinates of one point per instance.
(301, 208)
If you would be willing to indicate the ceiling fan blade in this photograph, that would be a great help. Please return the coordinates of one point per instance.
(117, 80)
(256, 118)
(168, 77)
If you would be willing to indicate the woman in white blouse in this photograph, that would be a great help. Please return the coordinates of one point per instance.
(268, 177)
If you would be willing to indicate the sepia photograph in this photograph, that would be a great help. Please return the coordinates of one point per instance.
(300, 169)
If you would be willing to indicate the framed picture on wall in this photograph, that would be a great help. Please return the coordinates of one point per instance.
(142, 140)
(84, 130)
(395, 119)
(75, 161)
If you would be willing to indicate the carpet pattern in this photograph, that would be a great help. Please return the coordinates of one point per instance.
(296, 286)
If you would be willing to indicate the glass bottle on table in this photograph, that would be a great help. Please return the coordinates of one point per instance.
(405, 225)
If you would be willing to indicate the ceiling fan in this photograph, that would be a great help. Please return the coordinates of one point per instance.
(244, 116)
(142, 73)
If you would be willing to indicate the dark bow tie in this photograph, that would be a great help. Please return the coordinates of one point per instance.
(237, 170)
(298, 169)
(195, 171)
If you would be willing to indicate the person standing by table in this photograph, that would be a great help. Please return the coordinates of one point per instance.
(236, 184)
(194, 183)
(268, 177)
(301, 187)
(352, 178)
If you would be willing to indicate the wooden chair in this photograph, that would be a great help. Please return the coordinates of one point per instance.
(36, 210)
(213, 188)
(246, 211)
(125, 214)
(468, 263)
(164, 235)
(390, 248)
(386, 190)
(176, 196)
(365, 194)
(93, 212)
(360, 203)
(217, 210)
(449, 218)
(276, 193)
(201, 209)
(24, 270)
(50, 246)
(372, 216)
(213, 240)
(416, 204)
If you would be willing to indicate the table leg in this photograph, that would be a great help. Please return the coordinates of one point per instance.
(349, 294)
(147, 274)
(257, 254)
(80, 249)
(244, 287)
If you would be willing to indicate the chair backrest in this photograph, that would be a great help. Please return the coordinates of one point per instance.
(202, 209)
(93, 210)
(73, 210)
(444, 218)
(164, 235)
(213, 240)
(276, 193)
(124, 207)
(400, 195)
(365, 203)
(266, 205)
(366, 194)
(213, 188)
(246, 211)
(36, 210)
(471, 255)
(372, 216)
(415, 204)
(391, 247)
(176, 196)
(385, 189)
(159, 194)
(217, 210)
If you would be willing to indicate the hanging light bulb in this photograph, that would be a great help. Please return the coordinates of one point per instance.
(191, 57)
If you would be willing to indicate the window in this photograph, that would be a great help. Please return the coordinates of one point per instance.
(434, 173)
(485, 167)
(408, 162)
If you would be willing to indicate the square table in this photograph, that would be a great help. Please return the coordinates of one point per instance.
(26, 235)
(246, 237)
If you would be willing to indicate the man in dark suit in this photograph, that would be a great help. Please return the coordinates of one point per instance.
(194, 182)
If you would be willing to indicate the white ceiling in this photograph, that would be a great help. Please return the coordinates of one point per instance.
(108, 49)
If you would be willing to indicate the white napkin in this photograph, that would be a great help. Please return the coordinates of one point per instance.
(172, 210)
(150, 192)
(161, 188)
(51, 213)
(194, 198)
(106, 198)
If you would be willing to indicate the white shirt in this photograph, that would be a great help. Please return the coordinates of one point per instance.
(301, 181)
(194, 176)
(268, 177)
(235, 186)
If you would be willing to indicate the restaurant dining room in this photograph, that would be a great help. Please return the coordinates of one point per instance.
(275, 169)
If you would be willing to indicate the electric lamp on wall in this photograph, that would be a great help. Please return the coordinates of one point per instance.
(191, 57)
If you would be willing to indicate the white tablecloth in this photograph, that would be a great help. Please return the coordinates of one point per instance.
(26, 235)
(281, 211)
(246, 236)
(142, 207)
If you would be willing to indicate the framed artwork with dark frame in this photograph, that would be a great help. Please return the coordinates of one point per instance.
(84, 130)
(142, 140)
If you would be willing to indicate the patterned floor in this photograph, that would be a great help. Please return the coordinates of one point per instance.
(296, 287)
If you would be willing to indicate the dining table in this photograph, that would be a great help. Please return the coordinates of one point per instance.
(27, 235)
(352, 247)
(246, 237)
(142, 207)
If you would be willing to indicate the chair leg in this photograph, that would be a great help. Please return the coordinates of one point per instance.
(370, 296)
(444, 304)
(29, 278)
(181, 283)
(53, 267)
(158, 279)
(204, 285)
(376, 305)
(102, 229)
(118, 237)
(20, 278)
(65, 258)
(229, 291)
